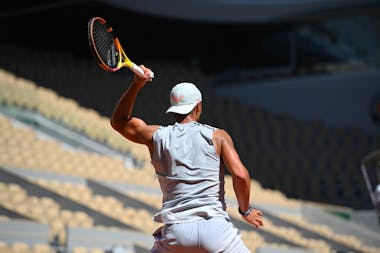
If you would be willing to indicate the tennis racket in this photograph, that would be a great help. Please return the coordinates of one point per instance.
(107, 49)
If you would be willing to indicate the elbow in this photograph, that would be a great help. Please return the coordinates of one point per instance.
(112, 123)
(241, 176)
(120, 125)
(115, 124)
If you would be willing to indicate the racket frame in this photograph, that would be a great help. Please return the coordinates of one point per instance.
(123, 60)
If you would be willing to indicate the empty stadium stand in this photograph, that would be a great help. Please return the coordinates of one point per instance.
(64, 168)
(279, 143)
(69, 183)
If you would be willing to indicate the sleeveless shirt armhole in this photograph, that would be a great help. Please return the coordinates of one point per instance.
(153, 154)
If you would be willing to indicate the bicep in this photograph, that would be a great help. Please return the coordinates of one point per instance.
(136, 130)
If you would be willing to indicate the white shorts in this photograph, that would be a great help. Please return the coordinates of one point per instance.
(214, 235)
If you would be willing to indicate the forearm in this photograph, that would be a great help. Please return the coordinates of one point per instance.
(242, 186)
(124, 107)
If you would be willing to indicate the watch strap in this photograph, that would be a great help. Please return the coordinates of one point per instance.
(246, 213)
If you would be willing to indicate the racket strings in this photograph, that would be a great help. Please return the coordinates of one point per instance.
(105, 45)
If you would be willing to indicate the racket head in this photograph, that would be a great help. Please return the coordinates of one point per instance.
(105, 46)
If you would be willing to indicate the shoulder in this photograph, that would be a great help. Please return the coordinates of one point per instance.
(220, 139)
(206, 126)
(161, 131)
(221, 134)
(205, 130)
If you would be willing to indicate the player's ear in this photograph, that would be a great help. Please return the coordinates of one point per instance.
(198, 109)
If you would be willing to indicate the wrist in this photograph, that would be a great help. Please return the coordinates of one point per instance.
(247, 212)
(138, 81)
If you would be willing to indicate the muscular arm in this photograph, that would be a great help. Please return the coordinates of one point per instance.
(134, 129)
(240, 176)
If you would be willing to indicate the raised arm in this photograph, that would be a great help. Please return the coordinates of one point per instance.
(240, 176)
(132, 128)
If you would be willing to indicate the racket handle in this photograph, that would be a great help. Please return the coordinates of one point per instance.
(138, 71)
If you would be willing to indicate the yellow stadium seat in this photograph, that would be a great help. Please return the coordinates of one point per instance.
(42, 248)
(96, 250)
(20, 247)
(80, 250)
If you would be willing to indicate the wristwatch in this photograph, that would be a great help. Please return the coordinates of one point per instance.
(246, 213)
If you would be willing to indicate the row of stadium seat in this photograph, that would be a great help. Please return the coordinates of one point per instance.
(22, 147)
(20, 247)
(44, 210)
(27, 95)
(107, 205)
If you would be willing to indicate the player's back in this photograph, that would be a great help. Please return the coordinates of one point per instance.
(189, 171)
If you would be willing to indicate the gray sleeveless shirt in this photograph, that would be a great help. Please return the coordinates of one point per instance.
(190, 173)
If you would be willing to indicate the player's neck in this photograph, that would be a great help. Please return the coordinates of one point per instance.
(186, 119)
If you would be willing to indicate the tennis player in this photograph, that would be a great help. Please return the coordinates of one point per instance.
(189, 159)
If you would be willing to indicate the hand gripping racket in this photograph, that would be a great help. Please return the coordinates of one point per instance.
(107, 49)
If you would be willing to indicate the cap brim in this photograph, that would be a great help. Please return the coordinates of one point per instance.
(181, 109)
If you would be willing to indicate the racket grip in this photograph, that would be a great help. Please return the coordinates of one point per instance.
(138, 71)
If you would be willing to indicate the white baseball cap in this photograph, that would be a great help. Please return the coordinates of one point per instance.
(184, 97)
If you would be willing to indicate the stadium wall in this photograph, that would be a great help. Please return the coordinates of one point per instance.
(340, 100)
